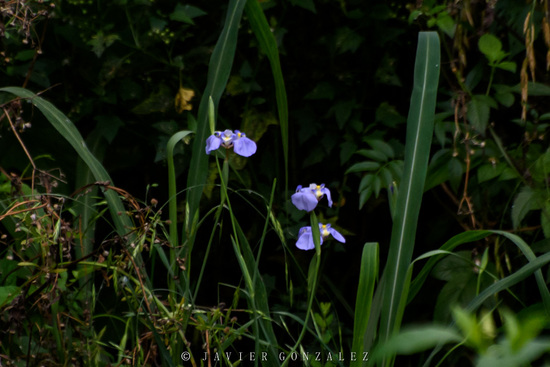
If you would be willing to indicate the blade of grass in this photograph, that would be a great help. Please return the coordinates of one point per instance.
(84, 205)
(256, 291)
(218, 75)
(312, 280)
(173, 209)
(533, 266)
(530, 255)
(418, 141)
(365, 290)
(173, 205)
(268, 44)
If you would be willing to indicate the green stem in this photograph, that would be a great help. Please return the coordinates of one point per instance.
(313, 276)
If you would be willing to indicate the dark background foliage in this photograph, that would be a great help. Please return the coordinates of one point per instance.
(115, 68)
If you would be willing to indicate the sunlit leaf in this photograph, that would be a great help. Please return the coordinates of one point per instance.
(183, 99)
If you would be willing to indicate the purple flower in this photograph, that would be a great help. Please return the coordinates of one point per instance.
(304, 199)
(241, 144)
(307, 198)
(305, 236)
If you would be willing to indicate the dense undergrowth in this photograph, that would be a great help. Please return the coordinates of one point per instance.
(150, 153)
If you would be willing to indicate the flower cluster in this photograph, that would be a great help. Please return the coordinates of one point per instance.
(241, 144)
(305, 236)
(307, 198)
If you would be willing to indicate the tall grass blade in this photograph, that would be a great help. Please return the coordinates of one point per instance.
(173, 207)
(367, 280)
(84, 205)
(218, 75)
(512, 279)
(417, 148)
(173, 204)
(312, 282)
(268, 44)
(258, 300)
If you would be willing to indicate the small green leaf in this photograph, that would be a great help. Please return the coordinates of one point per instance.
(508, 174)
(455, 172)
(366, 181)
(470, 329)
(7, 293)
(100, 42)
(186, 13)
(323, 90)
(157, 24)
(319, 320)
(306, 4)
(534, 89)
(347, 149)
(342, 111)
(446, 23)
(491, 47)
(364, 196)
(347, 40)
(505, 99)
(376, 185)
(386, 177)
(382, 147)
(375, 155)
(363, 166)
(507, 65)
(478, 111)
(524, 202)
(489, 171)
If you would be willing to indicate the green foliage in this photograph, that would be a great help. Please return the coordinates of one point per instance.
(105, 259)
(419, 134)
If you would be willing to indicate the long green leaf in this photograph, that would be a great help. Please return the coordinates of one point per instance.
(367, 280)
(459, 239)
(522, 273)
(418, 141)
(530, 255)
(268, 44)
(66, 128)
(415, 340)
(173, 205)
(218, 75)
(84, 205)
(257, 292)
